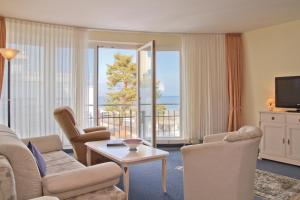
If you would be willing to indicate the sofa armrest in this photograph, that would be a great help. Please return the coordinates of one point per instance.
(93, 129)
(92, 136)
(46, 143)
(215, 137)
(81, 178)
(8, 185)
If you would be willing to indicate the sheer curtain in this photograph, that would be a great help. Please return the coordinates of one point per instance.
(48, 72)
(2, 45)
(204, 86)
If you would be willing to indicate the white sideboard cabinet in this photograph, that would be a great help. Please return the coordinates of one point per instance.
(281, 137)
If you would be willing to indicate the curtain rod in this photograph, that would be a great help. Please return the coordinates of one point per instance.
(112, 30)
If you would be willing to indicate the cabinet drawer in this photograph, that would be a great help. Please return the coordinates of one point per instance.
(293, 119)
(272, 117)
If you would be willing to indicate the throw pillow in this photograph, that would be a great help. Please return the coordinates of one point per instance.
(38, 158)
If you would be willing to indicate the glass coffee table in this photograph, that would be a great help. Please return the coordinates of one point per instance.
(125, 158)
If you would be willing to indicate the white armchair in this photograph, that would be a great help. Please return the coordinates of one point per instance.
(223, 168)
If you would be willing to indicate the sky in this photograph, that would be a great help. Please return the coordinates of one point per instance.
(167, 69)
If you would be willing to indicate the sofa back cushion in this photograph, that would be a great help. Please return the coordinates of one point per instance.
(26, 173)
(45, 144)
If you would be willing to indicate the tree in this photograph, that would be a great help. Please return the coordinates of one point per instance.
(121, 81)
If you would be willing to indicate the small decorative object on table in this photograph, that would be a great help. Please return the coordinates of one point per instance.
(132, 144)
(112, 143)
(271, 104)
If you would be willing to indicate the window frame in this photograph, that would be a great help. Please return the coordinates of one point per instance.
(93, 44)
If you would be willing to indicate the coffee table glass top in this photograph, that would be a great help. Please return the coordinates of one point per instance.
(121, 154)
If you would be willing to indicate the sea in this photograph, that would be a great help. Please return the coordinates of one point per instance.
(171, 102)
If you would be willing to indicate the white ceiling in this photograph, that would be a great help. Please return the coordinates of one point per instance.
(179, 16)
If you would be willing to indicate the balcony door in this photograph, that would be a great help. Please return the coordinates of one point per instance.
(125, 94)
(146, 93)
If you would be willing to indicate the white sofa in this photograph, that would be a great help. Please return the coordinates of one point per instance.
(66, 178)
(223, 168)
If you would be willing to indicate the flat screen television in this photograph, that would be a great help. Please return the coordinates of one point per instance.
(287, 92)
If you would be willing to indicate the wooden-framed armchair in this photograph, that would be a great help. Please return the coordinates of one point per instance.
(66, 119)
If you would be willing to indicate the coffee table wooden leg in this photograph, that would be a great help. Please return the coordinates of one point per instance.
(89, 157)
(126, 180)
(164, 175)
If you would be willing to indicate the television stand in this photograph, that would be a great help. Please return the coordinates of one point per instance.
(281, 137)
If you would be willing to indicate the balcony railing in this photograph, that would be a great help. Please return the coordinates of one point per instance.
(121, 120)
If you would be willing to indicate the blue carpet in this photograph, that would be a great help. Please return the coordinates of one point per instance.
(145, 179)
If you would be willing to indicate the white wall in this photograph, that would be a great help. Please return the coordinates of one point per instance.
(269, 52)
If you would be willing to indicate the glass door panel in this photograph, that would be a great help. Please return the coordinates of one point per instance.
(146, 93)
(117, 91)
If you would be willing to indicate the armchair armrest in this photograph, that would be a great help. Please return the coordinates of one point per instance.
(215, 137)
(92, 136)
(96, 128)
(82, 178)
(45, 143)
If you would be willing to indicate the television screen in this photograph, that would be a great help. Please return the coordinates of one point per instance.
(287, 92)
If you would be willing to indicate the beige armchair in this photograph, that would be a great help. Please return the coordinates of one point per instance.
(223, 167)
(65, 118)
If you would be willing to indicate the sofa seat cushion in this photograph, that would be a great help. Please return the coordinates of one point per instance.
(110, 193)
(59, 161)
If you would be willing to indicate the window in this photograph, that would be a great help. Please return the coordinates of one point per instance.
(168, 100)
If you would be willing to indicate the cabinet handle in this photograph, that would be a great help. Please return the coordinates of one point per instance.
(283, 140)
(273, 118)
(288, 141)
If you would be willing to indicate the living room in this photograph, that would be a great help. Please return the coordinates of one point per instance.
(104, 100)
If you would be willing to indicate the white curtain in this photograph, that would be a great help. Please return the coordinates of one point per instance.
(204, 96)
(47, 73)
